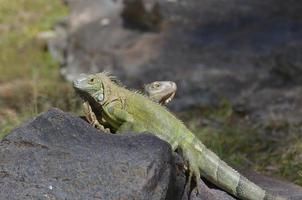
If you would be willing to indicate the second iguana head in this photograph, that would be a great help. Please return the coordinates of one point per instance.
(161, 91)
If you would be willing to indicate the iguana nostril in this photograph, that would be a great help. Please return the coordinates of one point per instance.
(76, 83)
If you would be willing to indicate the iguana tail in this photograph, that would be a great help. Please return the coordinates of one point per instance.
(202, 160)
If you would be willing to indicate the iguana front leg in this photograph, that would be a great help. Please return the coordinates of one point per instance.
(123, 121)
(92, 119)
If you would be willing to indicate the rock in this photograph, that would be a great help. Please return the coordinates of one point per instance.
(59, 156)
(222, 195)
(182, 190)
(85, 12)
(284, 188)
(136, 16)
(210, 48)
(209, 194)
(288, 64)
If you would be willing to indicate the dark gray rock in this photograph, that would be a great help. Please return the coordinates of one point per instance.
(59, 156)
(284, 188)
(222, 195)
(136, 16)
(208, 194)
(240, 50)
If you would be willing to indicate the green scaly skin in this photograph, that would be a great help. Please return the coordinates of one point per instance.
(161, 92)
(128, 111)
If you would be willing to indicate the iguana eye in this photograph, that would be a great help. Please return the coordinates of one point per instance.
(155, 85)
(91, 80)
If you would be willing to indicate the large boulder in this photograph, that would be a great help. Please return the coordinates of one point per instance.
(59, 156)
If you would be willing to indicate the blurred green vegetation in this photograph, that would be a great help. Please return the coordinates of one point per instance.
(272, 149)
(30, 83)
(29, 78)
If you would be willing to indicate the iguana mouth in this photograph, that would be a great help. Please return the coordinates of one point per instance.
(80, 81)
(166, 99)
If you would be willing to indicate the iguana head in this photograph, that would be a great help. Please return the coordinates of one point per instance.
(161, 91)
(91, 87)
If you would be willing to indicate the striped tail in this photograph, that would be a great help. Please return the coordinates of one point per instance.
(203, 161)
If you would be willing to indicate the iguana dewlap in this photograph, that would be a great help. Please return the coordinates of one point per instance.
(128, 111)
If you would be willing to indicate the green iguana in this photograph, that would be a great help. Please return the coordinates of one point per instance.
(126, 111)
(159, 91)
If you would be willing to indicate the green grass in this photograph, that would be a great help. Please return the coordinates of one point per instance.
(272, 149)
(29, 80)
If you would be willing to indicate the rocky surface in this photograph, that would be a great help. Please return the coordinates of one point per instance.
(243, 51)
(280, 187)
(60, 156)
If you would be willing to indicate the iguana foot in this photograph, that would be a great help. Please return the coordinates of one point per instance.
(92, 119)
